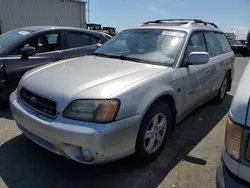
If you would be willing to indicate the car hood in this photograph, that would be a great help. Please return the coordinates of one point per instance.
(239, 111)
(67, 80)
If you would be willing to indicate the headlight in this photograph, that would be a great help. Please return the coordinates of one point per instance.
(233, 139)
(101, 111)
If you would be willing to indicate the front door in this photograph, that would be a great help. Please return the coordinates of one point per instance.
(15, 68)
(48, 49)
(196, 78)
(190, 88)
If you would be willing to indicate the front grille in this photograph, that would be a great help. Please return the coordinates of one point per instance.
(41, 104)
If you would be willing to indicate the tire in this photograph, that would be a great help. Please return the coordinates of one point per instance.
(223, 90)
(143, 152)
(4, 104)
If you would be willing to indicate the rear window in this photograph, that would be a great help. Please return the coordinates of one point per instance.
(225, 46)
(77, 39)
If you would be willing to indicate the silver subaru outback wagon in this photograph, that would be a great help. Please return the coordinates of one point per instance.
(128, 96)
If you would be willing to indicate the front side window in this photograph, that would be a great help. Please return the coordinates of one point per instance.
(225, 46)
(77, 39)
(196, 43)
(43, 43)
(213, 45)
(155, 46)
(7, 39)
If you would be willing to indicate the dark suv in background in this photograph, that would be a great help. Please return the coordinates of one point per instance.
(240, 47)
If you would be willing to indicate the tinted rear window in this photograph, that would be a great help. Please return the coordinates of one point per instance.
(75, 39)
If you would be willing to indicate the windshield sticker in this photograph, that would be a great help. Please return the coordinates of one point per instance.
(172, 33)
(24, 32)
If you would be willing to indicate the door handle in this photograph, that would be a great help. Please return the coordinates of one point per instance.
(1, 67)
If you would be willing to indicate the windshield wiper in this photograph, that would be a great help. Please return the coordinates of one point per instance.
(99, 54)
(121, 57)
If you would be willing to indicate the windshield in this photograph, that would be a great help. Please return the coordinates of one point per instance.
(7, 39)
(155, 46)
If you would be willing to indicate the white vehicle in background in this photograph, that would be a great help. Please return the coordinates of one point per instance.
(234, 170)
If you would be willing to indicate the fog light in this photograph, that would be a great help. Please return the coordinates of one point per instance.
(87, 155)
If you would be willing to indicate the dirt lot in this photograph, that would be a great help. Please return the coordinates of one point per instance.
(189, 159)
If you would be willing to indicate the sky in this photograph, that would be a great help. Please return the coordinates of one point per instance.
(122, 14)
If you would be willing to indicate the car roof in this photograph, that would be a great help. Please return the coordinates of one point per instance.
(187, 25)
(48, 28)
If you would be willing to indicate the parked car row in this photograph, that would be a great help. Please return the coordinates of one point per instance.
(125, 98)
(26, 48)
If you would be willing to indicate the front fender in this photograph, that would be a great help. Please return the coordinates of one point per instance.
(139, 97)
(152, 95)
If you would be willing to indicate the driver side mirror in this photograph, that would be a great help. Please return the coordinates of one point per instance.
(27, 51)
(197, 58)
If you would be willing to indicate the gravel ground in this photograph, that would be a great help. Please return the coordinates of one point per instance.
(189, 159)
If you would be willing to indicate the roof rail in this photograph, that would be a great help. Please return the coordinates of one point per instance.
(184, 21)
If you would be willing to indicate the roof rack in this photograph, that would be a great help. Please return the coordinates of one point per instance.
(181, 21)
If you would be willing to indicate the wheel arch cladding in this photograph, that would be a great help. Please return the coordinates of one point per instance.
(167, 99)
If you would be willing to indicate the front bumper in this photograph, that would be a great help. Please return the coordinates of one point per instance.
(106, 142)
(226, 179)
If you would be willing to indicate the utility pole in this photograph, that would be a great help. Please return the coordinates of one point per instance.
(237, 34)
(88, 12)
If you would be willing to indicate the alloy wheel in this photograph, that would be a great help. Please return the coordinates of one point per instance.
(155, 133)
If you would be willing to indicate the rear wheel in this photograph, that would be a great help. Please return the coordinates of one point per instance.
(153, 132)
(223, 90)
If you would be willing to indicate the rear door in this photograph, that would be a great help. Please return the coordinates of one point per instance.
(48, 48)
(217, 59)
(214, 51)
(78, 44)
(227, 58)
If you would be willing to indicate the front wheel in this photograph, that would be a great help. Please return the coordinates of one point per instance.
(155, 127)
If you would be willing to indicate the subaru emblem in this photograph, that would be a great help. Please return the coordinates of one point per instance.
(33, 100)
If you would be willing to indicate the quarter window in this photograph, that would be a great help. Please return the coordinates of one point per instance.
(196, 43)
(225, 46)
(94, 40)
(213, 44)
(74, 40)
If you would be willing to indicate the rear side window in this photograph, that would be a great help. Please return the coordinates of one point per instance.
(94, 40)
(225, 46)
(77, 39)
(213, 44)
